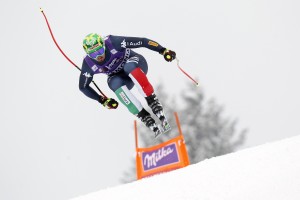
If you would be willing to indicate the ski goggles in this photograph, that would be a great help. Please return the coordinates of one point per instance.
(96, 54)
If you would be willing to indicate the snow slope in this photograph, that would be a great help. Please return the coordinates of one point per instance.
(270, 171)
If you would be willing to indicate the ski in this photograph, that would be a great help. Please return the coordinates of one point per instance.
(164, 127)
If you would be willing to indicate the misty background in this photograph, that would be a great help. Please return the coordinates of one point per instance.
(55, 143)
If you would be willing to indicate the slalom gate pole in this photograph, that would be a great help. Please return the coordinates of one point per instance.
(185, 73)
(54, 40)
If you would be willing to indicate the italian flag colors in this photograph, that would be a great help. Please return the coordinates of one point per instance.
(127, 98)
(141, 82)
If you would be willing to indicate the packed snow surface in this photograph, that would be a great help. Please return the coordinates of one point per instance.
(270, 171)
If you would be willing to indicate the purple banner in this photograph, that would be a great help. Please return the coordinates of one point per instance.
(160, 157)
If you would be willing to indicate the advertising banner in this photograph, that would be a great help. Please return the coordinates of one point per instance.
(161, 158)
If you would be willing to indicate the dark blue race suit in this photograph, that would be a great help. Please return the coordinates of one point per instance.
(119, 62)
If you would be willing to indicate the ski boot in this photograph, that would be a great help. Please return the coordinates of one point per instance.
(157, 109)
(149, 122)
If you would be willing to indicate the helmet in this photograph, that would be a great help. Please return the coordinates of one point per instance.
(92, 42)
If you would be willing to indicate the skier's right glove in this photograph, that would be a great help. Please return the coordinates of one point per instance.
(109, 103)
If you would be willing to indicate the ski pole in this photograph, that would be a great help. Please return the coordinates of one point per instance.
(185, 73)
(54, 40)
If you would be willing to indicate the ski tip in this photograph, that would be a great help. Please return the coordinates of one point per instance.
(157, 135)
(162, 131)
(41, 9)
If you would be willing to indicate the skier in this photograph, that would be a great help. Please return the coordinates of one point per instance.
(112, 55)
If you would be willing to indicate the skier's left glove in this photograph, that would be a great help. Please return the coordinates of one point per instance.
(109, 103)
(169, 55)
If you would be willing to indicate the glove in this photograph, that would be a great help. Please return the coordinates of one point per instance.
(169, 55)
(109, 103)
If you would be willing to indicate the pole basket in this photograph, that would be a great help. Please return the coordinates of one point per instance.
(161, 158)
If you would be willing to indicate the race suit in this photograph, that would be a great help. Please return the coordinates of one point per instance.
(124, 67)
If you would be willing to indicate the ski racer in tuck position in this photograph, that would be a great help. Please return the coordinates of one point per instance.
(113, 56)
